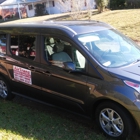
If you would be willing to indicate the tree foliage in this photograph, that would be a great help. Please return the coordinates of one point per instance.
(124, 4)
(101, 4)
(75, 7)
(133, 3)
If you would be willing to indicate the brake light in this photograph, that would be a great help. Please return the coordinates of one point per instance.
(133, 85)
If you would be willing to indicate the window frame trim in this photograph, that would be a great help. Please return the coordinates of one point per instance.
(65, 38)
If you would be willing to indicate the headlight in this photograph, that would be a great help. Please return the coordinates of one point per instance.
(134, 86)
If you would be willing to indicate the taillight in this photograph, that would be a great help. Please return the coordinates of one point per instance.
(133, 85)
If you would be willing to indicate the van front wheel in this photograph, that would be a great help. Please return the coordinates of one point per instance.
(114, 120)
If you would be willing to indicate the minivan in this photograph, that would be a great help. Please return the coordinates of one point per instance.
(86, 67)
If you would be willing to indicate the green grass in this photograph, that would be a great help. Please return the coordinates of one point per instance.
(22, 119)
(31, 122)
(126, 21)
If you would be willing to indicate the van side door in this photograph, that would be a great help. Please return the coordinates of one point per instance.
(62, 86)
(23, 63)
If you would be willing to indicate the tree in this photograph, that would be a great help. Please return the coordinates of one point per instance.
(75, 7)
(72, 6)
(102, 4)
(133, 3)
(124, 4)
(117, 4)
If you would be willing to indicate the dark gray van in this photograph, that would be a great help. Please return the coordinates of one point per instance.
(83, 66)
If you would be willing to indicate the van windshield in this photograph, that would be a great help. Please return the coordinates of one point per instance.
(110, 48)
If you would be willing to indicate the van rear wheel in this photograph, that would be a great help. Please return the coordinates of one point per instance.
(114, 121)
(5, 92)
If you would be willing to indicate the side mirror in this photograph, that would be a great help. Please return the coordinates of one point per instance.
(69, 66)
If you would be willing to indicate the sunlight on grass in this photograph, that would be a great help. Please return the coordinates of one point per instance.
(8, 135)
(18, 122)
(126, 21)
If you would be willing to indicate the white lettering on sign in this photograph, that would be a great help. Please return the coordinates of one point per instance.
(22, 75)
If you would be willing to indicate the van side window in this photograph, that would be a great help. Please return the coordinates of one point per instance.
(58, 51)
(2, 44)
(23, 46)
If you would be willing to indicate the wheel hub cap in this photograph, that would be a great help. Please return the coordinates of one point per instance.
(3, 89)
(111, 122)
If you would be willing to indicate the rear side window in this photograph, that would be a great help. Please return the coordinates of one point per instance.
(23, 46)
(2, 44)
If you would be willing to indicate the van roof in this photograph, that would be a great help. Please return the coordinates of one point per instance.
(75, 27)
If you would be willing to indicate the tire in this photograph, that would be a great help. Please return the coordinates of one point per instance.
(114, 121)
(5, 92)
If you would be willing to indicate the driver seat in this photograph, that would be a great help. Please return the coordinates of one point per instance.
(59, 54)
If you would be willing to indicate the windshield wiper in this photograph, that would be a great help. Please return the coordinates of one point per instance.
(137, 60)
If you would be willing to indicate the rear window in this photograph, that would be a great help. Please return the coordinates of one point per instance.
(23, 46)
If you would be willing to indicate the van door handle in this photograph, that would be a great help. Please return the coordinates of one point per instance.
(47, 73)
(31, 68)
(39, 70)
(34, 68)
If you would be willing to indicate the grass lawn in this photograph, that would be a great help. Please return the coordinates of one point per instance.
(29, 120)
(126, 21)
(22, 119)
